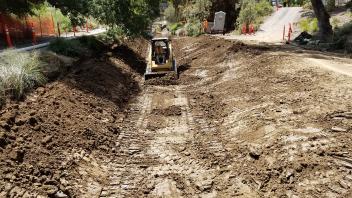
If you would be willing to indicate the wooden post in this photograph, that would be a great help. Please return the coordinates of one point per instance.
(34, 40)
(58, 29)
(40, 25)
(8, 37)
(74, 31)
(283, 36)
(87, 27)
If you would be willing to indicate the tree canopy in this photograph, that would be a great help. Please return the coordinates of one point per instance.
(18, 7)
(131, 15)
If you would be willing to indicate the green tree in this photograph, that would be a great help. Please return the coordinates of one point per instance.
(197, 9)
(18, 7)
(132, 15)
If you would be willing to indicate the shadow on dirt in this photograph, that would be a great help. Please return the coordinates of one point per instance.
(106, 80)
(184, 67)
(134, 60)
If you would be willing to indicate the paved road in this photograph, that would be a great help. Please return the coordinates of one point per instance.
(66, 36)
(272, 29)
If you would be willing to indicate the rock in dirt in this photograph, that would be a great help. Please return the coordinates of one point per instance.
(17, 155)
(254, 153)
(338, 129)
(47, 139)
(60, 194)
(50, 189)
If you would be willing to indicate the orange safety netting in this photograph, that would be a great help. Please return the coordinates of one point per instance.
(20, 29)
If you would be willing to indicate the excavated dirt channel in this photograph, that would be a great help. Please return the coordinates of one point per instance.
(242, 121)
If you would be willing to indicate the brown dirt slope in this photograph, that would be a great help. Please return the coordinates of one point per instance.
(241, 121)
(78, 113)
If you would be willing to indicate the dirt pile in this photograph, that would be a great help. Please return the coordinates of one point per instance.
(79, 113)
(167, 79)
(169, 111)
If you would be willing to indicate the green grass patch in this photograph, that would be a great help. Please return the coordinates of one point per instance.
(309, 25)
(71, 48)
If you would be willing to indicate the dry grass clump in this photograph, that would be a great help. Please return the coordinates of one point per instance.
(19, 72)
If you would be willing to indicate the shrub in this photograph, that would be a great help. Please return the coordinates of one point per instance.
(335, 22)
(113, 35)
(170, 13)
(175, 26)
(197, 10)
(314, 25)
(309, 25)
(248, 13)
(254, 13)
(92, 43)
(19, 72)
(307, 5)
(263, 8)
(330, 5)
(72, 48)
(194, 28)
(349, 5)
(344, 30)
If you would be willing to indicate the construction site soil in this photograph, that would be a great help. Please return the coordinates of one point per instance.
(241, 121)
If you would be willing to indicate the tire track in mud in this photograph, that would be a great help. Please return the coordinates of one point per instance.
(159, 162)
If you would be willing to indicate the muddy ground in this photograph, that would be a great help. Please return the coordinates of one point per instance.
(242, 121)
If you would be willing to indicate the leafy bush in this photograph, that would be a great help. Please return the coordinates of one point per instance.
(307, 5)
(175, 26)
(194, 28)
(19, 72)
(170, 13)
(314, 25)
(330, 5)
(253, 13)
(346, 29)
(263, 8)
(71, 48)
(341, 37)
(46, 10)
(113, 35)
(335, 22)
(309, 25)
(248, 13)
(349, 5)
(197, 10)
(92, 43)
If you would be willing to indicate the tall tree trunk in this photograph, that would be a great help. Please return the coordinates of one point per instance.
(325, 29)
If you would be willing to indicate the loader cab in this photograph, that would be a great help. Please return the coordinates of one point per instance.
(160, 51)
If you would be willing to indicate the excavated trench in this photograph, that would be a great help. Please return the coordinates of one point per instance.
(242, 121)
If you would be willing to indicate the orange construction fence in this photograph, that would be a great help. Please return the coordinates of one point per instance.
(19, 30)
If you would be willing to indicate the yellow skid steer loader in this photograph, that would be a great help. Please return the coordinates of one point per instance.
(160, 59)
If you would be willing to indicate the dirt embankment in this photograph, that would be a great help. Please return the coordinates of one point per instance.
(276, 119)
(77, 114)
(242, 121)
